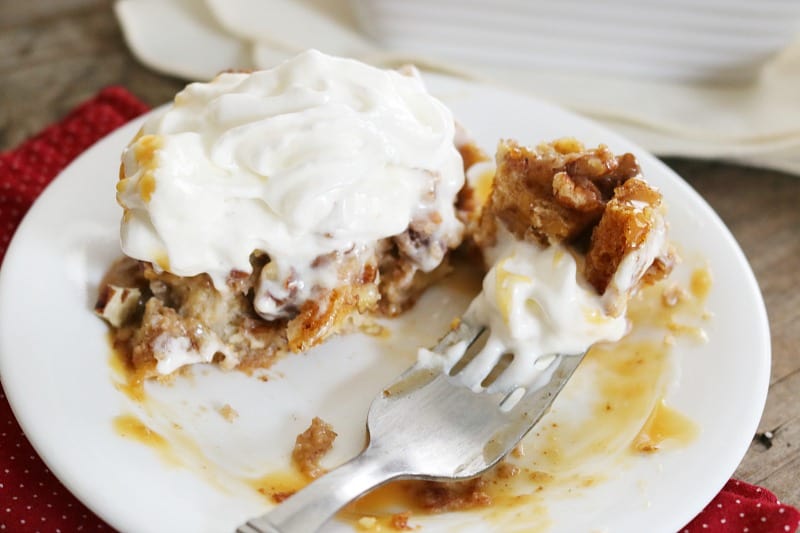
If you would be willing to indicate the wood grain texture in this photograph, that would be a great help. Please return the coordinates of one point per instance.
(57, 53)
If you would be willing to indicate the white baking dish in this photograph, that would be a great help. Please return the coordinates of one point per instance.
(682, 40)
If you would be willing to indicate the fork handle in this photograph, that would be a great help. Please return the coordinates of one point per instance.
(311, 507)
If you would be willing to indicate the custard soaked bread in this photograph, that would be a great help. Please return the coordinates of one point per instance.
(561, 192)
(553, 192)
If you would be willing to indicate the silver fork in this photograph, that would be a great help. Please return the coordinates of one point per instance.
(426, 425)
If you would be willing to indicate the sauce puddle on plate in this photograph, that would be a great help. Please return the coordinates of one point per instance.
(663, 424)
(130, 427)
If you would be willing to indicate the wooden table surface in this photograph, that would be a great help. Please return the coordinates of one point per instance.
(57, 53)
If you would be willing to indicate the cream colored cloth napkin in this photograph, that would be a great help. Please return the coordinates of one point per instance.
(755, 124)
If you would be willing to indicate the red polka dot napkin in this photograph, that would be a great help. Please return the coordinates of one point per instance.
(744, 508)
(32, 499)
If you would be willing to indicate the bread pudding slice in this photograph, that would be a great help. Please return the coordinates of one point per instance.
(270, 209)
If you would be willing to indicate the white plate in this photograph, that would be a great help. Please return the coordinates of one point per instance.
(54, 364)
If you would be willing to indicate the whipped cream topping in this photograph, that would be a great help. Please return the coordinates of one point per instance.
(536, 305)
(319, 156)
